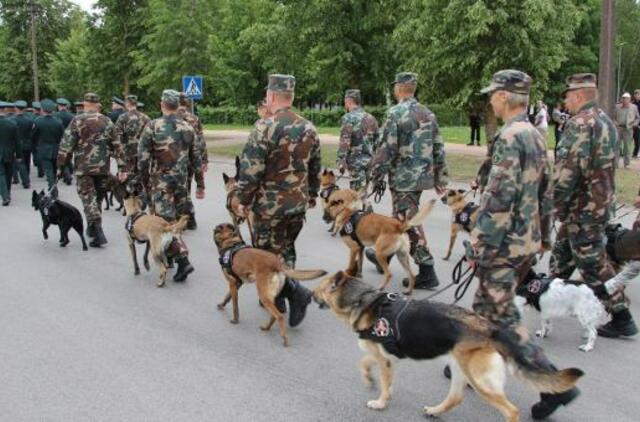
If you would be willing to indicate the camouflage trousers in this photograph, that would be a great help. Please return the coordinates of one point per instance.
(405, 206)
(169, 196)
(191, 208)
(358, 178)
(583, 247)
(90, 187)
(278, 235)
(497, 288)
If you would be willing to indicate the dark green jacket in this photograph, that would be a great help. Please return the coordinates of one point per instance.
(25, 124)
(65, 117)
(9, 142)
(46, 136)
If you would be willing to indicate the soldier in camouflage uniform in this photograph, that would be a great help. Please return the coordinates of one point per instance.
(46, 135)
(128, 130)
(166, 150)
(411, 152)
(90, 138)
(187, 116)
(357, 137)
(279, 179)
(117, 109)
(514, 220)
(584, 195)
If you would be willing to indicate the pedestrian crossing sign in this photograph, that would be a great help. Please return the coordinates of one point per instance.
(192, 86)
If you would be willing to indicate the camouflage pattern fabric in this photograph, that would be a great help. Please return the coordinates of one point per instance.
(278, 235)
(583, 247)
(90, 137)
(169, 196)
(405, 207)
(411, 149)
(90, 188)
(128, 129)
(636, 224)
(485, 168)
(514, 218)
(195, 123)
(357, 138)
(280, 166)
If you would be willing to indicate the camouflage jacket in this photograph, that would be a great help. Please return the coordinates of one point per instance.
(411, 150)
(515, 214)
(280, 165)
(128, 128)
(358, 134)
(90, 137)
(584, 170)
(167, 148)
(195, 123)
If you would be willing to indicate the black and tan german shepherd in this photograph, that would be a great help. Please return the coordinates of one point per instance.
(390, 325)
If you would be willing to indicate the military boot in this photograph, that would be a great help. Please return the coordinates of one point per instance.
(191, 224)
(299, 298)
(370, 253)
(621, 325)
(184, 269)
(426, 278)
(99, 238)
(91, 229)
(549, 403)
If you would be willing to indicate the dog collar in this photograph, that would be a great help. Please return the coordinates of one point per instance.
(226, 259)
(326, 192)
(131, 222)
(533, 289)
(349, 228)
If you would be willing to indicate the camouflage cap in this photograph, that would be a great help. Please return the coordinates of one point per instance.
(62, 102)
(171, 97)
(132, 98)
(90, 97)
(117, 100)
(352, 93)
(281, 83)
(581, 80)
(140, 105)
(48, 105)
(36, 104)
(21, 104)
(405, 78)
(509, 80)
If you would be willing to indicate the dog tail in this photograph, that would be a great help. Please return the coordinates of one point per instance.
(303, 274)
(628, 273)
(532, 367)
(179, 226)
(419, 218)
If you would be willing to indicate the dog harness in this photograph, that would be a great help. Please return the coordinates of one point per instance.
(533, 289)
(464, 217)
(131, 222)
(349, 228)
(326, 192)
(226, 260)
(386, 328)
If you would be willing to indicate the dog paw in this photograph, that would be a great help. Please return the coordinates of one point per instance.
(147, 266)
(160, 283)
(407, 292)
(377, 404)
(220, 305)
(585, 348)
(430, 411)
(136, 271)
(445, 258)
(285, 341)
(265, 327)
(233, 321)
(541, 333)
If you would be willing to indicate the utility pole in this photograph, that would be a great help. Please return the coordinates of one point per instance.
(606, 74)
(34, 53)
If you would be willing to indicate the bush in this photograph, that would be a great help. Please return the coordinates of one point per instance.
(230, 115)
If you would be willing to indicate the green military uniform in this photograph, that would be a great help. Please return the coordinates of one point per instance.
(9, 147)
(411, 152)
(584, 197)
(128, 130)
(279, 174)
(358, 133)
(25, 124)
(46, 135)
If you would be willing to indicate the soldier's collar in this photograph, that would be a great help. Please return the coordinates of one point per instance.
(518, 118)
(588, 104)
(282, 109)
(408, 99)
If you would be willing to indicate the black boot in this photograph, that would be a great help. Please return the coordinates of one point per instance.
(549, 403)
(299, 298)
(621, 325)
(370, 253)
(184, 269)
(99, 238)
(426, 278)
(91, 229)
(191, 224)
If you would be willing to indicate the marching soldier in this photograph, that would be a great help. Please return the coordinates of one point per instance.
(90, 138)
(584, 195)
(278, 181)
(46, 135)
(357, 139)
(9, 147)
(25, 124)
(411, 152)
(166, 150)
(65, 116)
(117, 109)
(128, 130)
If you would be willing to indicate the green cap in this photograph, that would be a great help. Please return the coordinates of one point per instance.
(90, 97)
(281, 83)
(509, 80)
(117, 100)
(352, 93)
(171, 96)
(63, 102)
(48, 105)
(140, 105)
(581, 80)
(21, 104)
(36, 104)
(79, 104)
(132, 98)
(405, 78)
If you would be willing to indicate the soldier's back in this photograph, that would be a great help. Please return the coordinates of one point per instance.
(170, 139)
(94, 134)
(8, 138)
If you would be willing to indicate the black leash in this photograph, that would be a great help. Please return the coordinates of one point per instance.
(461, 278)
(378, 191)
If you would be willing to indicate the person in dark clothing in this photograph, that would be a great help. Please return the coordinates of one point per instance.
(636, 130)
(475, 122)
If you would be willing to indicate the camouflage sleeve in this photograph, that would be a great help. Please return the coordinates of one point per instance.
(441, 173)
(346, 129)
(68, 144)
(145, 148)
(315, 165)
(252, 164)
(204, 154)
(545, 201)
(114, 134)
(483, 172)
(568, 167)
(496, 205)
(387, 150)
(195, 158)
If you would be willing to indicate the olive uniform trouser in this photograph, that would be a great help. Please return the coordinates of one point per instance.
(405, 207)
(89, 186)
(583, 247)
(278, 235)
(25, 168)
(6, 173)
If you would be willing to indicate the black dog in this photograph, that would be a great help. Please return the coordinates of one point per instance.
(62, 214)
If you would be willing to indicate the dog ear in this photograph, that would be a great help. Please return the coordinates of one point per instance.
(331, 173)
(339, 279)
(237, 167)
(54, 192)
(324, 172)
(225, 178)
(461, 191)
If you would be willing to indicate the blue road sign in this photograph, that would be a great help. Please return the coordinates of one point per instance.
(193, 86)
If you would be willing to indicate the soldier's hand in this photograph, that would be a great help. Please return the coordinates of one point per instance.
(122, 176)
(60, 173)
(242, 210)
(341, 169)
(636, 203)
(474, 184)
(200, 193)
(205, 167)
(312, 202)
(440, 190)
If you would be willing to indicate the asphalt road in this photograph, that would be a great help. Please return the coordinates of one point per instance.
(83, 339)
